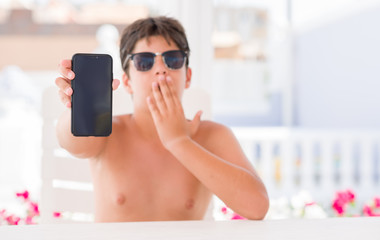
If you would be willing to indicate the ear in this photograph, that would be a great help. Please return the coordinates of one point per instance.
(127, 83)
(188, 78)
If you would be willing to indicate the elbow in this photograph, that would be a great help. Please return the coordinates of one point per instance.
(260, 212)
(258, 208)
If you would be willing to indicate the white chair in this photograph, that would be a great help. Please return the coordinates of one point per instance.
(66, 181)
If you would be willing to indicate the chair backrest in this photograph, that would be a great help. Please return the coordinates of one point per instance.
(66, 181)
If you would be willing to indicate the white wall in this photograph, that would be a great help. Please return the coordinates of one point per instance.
(196, 17)
(337, 72)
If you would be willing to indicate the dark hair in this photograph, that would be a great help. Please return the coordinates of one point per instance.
(169, 28)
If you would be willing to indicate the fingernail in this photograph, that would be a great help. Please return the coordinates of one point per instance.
(71, 75)
(168, 78)
(155, 84)
(68, 91)
(161, 78)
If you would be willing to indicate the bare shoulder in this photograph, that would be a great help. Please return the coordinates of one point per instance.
(214, 127)
(210, 132)
(221, 141)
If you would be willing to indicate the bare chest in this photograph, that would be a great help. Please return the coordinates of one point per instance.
(143, 180)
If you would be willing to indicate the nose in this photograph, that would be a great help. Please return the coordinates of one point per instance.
(159, 66)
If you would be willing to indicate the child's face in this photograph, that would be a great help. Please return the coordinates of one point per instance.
(139, 83)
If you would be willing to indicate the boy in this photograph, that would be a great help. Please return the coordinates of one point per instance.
(156, 165)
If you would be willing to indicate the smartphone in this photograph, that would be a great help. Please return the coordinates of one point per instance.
(91, 102)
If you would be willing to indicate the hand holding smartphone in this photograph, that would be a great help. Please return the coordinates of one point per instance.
(91, 111)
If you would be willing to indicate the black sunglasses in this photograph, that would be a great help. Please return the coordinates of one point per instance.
(144, 61)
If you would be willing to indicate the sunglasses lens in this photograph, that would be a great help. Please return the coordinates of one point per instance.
(143, 61)
(174, 59)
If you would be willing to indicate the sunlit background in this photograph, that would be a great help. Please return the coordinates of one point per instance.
(297, 81)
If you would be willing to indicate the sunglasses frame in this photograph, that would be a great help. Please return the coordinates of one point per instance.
(131, 56)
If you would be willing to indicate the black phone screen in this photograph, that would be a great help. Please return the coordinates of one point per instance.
(91, 108)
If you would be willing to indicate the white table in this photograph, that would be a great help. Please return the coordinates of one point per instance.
(292, 229)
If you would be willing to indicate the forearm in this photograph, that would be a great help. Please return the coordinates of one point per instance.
(236, 186)
(82, 147)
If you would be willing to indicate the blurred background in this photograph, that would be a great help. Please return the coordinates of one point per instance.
(296, 80)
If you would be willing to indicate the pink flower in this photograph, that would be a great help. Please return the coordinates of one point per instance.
(350, 196)
(372, 209)
(12, 220)
(29, 220)
(367, 210)
(230, 214)
(57, 214)
(224, 210)
(2, 215)
(338, 206)
(32, 211)
(33, 208)
(310, 204)
(346, 196)
(341, 201)
(24, 195)
(236, 216)
(377, 202)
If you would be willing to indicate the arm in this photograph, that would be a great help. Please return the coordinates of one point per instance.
(222, 166)
(82, 147)
(224, 169)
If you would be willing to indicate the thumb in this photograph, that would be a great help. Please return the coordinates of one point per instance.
(115, 84)
(195, 122)
(197, 117)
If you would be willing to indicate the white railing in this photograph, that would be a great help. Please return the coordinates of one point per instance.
(318, 161)
(288, 160)
(20, 154)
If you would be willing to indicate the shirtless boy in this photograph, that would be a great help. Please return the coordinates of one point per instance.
(156, 164)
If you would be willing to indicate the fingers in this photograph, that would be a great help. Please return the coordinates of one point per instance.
(195, 123)
(153, 109)
(64, 82)
(165, 89)
(164, 96)
(159, 100)
(65, 99)
(197, 118)
(65, 90)
(65, 69)
(166, 93)
(115, 84)
(174, 100)
(64, 85)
